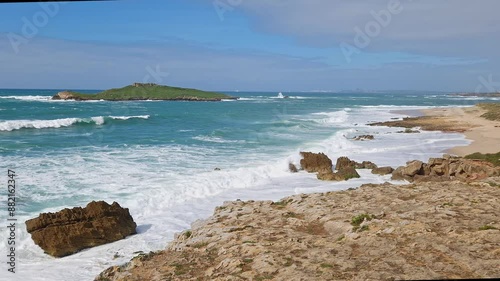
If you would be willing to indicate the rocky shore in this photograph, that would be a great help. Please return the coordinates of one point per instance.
(438, 229)
(480, 124)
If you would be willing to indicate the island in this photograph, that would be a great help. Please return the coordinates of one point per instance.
(145, 91)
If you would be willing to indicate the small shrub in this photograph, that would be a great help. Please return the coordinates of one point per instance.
(357, 220)
(363, 228)
(289, 262)
(487, 227)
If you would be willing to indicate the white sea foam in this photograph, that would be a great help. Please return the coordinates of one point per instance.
(216, 139)
(335, 118)
(130, 117)
(472, 98)
(28, 98)
(12, 125)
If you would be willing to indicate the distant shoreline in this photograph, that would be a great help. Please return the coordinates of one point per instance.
(484, 133)
(471, 121)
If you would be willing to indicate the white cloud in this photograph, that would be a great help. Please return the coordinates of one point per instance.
(51, 63)
(445, 27)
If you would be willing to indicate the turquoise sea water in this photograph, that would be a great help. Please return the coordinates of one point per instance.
(158, 157)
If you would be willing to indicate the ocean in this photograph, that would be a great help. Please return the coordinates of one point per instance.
(158, 158)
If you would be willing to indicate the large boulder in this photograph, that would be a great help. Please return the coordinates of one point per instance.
(407, 172)
(342, 175)
(344, 162)
(382, 171)
(346, 169)
(71, 230)
(316, 162)
(365, 165)
(348, 173)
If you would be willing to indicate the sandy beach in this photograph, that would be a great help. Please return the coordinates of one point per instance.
(484, 134)
(471, 121)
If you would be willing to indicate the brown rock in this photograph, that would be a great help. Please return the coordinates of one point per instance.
(363, 137)
(407, 172)
(315, 162)
(292, 168)
(398, 174)
(408, 131)
(382, 170)
(366, 165)
(331, 176)
(348, 173)
(344, 162)
(342, 175)
(71, 230)
(413, 168)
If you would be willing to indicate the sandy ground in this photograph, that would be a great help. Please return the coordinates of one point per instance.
(484, 133)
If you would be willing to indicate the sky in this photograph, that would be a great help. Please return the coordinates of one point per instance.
(253, 45)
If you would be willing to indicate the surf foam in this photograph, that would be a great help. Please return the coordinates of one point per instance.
(12, 125)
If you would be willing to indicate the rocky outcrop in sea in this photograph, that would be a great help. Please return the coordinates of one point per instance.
(71, 230)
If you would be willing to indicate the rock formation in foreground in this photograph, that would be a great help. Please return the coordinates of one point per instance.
(425, 230)
(446, 168)
(322, 164)
(382, 170)
(344, 162)
(71, 230)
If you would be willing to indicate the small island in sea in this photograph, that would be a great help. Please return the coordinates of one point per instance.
(145, 91)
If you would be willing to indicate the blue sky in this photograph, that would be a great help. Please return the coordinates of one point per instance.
(281, 45)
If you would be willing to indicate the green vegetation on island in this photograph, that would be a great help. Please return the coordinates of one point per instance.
(145, 91)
